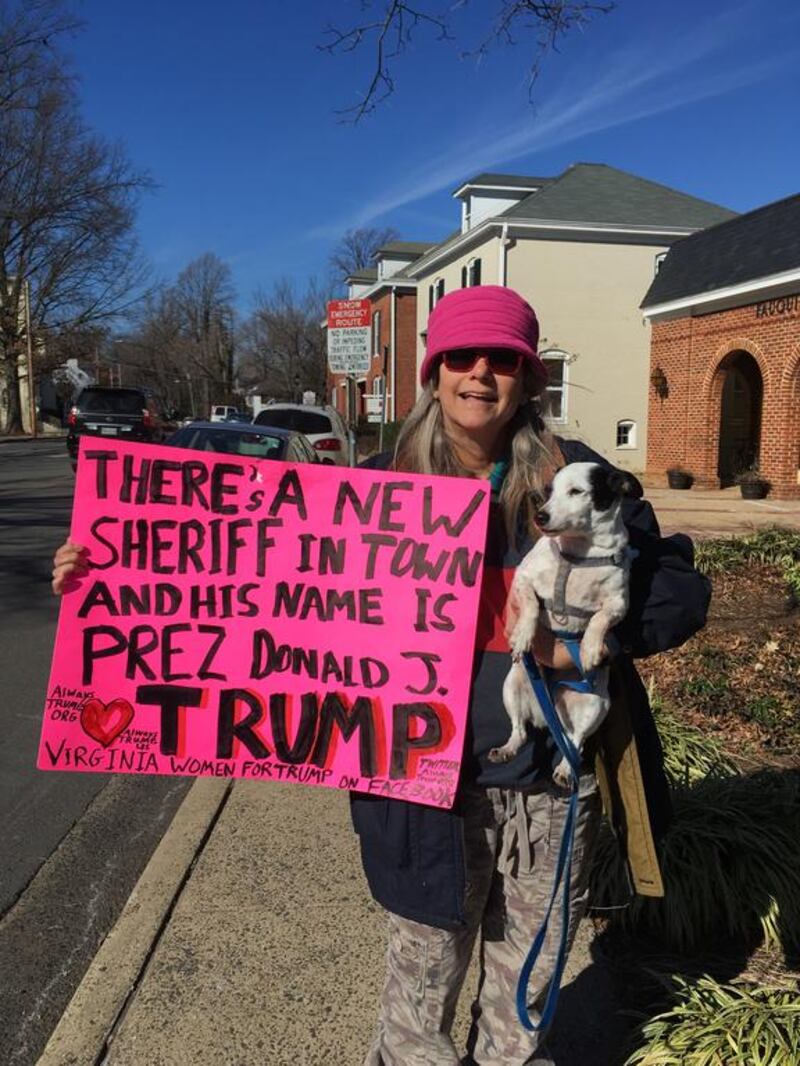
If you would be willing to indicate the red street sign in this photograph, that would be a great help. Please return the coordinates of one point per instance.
(344, 314)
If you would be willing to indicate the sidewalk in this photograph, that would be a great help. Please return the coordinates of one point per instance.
(251, 937)
(271, 952)
(719, 512)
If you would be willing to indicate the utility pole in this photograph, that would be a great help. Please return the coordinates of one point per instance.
(31, 394)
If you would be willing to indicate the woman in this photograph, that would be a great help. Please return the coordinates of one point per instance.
(488, 864)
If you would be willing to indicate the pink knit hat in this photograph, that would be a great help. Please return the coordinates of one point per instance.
(483, 316)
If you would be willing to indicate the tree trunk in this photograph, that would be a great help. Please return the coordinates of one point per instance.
(12, 420)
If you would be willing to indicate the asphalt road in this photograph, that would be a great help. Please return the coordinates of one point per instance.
(73, 845)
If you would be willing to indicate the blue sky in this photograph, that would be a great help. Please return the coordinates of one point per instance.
(231, 108)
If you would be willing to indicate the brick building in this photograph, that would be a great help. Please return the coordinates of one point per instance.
(725, 352)
(391, 378)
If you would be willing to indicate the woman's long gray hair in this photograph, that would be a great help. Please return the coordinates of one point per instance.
(423, 447)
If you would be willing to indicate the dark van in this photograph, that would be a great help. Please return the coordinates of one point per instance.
(125, 414)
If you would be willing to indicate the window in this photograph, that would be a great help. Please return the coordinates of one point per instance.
(474, 272)
(439, 289)
(377, 386)
(303, 421)
(431, 298)
(659, 260)
(626, 433)
(556, 362)
(376, 333)
(463, 277)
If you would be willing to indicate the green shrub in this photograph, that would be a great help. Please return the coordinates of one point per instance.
(723, 1025)
(731, 867)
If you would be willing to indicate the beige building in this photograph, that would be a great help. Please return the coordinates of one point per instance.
(583, 248)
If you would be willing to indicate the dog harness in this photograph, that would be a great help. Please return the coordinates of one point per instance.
(564, 613)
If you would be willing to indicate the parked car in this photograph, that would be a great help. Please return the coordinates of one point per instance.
(224, 413)
(323, 426)
(243, 438)
(126, 413)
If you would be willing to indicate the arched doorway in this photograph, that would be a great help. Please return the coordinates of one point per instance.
(740, 415)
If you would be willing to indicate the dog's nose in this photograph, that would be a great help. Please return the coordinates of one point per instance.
(542, 518)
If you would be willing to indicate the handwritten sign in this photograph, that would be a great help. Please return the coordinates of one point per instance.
(256, 619)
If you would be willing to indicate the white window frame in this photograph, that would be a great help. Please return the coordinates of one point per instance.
(471, 283)
(377, 385)
(630, 424)
(376, 334)
(558, 354)
(660, 257)
(437, 284)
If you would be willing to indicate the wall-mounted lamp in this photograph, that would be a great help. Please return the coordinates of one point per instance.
(658, 379)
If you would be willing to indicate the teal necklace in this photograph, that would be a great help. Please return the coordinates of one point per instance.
(498, 475)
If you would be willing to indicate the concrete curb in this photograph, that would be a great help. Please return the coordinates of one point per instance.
(81, 1035)
(26, 438)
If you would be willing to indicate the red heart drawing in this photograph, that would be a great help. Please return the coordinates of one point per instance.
(105, 721)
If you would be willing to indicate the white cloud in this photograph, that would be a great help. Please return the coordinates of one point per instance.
(639, 81)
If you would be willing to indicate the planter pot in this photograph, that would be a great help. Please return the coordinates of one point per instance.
(679, 479)
(753, 490)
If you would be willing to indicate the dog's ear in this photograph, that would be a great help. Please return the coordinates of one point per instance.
(625, 484)
(609, 485)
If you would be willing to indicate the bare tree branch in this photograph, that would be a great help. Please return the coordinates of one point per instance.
(392, 32)
(357, 249)
(282, 346)
(67, 199)
(547, 21)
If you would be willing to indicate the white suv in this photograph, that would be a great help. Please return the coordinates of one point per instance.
(322, 426)
(224, 413)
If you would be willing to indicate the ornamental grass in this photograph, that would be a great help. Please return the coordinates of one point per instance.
(713, 1024)
(730, 859)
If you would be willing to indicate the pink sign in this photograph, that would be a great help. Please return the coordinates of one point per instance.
(256, 619)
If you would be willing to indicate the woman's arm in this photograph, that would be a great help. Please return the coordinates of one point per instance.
(668, 598)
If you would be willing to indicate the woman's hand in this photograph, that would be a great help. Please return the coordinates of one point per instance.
(68, 562)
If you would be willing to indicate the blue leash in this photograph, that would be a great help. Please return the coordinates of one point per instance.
(542, 689)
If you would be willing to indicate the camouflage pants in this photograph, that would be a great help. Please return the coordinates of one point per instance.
(511, 844)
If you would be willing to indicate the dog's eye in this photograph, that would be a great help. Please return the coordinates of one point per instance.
(575, 492)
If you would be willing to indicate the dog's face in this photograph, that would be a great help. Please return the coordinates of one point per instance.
(582, 497)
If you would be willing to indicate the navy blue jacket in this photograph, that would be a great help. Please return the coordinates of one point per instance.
(412, 854)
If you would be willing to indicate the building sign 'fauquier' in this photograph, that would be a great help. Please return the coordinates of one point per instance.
(784, 305)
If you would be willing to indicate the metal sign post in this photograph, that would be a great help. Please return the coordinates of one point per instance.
(383, 395)
(349, 333)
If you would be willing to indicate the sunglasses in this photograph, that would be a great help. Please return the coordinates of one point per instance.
(501, 361)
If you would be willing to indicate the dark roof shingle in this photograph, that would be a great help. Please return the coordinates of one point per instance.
(365, 274)
(762, 242)
(596, 193)
(404, 248)
(518, 181)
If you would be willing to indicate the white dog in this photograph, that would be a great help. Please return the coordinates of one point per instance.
(575, 580)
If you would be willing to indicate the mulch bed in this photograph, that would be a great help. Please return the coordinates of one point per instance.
(740, 677)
